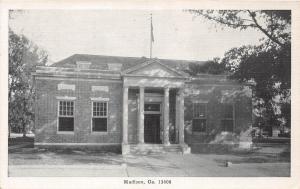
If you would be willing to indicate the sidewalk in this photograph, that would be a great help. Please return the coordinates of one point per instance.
(191, 165)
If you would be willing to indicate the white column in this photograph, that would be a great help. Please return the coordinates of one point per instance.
(125, 115)
(181, 117)
(141, 116)
(177, 118)
(166, 116)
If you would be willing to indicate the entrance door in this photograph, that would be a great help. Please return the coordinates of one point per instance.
(152, 128)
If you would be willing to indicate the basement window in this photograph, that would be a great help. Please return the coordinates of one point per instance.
(227, 122)
(99, 117)
(199, 117)
(66, 116)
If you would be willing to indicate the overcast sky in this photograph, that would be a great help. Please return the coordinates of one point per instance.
(177, 34)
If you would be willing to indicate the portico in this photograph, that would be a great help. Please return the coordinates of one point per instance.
(154, 88)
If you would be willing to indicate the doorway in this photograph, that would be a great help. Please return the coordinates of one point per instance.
(152, 128)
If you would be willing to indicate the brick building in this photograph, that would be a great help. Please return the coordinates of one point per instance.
(138, 104)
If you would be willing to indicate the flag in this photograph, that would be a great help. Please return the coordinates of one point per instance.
(152, 36)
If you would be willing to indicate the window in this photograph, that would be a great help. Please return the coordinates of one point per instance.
(99, 117)
(199, 117)
(152, 107)
(66, 116)
(227, 121)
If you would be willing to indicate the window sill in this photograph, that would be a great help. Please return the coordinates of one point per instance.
(99, 132)
(65, 132)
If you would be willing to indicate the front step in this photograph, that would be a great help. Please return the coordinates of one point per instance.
(154, 148)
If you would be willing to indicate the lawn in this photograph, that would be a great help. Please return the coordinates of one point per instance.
(34, 156)
(35, 162)
(21, 152)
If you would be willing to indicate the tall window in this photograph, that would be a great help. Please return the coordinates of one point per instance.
(227, 121)
(99, 117)
(199, 117)
(66, 116)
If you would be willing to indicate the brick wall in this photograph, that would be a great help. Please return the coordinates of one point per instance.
(214, 95)
(47, 107)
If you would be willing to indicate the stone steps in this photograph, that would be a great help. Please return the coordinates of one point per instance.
(154, 148)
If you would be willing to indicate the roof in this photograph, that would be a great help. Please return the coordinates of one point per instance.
(101, 62)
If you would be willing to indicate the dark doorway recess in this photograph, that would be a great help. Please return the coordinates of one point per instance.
(152, 128)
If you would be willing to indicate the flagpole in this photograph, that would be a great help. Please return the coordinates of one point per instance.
(151, 35)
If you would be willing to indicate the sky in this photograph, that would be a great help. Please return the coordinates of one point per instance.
(177, 34)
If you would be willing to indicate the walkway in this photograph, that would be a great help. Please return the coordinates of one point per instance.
(168, 165)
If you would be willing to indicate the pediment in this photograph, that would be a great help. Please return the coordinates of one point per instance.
(153, 69)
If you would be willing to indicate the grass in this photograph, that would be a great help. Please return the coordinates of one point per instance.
(20, 142)
(272, 140)
(34, 156)
(260, 155)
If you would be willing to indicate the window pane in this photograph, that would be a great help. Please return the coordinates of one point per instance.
(99, 124)
(66, 108)
(227, 111)
(72, 111)
(227, 125)
(66, 124)
(99, 109)
(199, 110)
(152, 107)
(199, 125)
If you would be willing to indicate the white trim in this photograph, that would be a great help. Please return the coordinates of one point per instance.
(65, 132)
(75, 144)
(165, 77)
(99, 132)
(99, 99)
(63, 86)
(75, 71)
(82, 65)
(59, 78)
(153, 112)
(149, 62)
(103, 88)
(55, 69)
(76, 74)
(65, 98)
(115, 66)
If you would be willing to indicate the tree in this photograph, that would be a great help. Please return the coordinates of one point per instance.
(23, 57)
(275, 24)
(266, 66)
(269, 71)
(210, 67)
